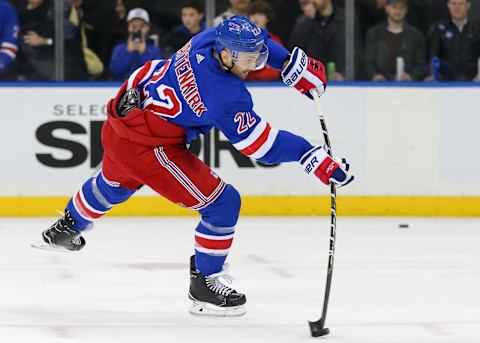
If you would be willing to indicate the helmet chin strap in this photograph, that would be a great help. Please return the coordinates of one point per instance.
(225, 67)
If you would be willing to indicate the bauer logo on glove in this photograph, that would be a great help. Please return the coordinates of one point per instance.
(291, 76)
(317, 162)
(304, 73)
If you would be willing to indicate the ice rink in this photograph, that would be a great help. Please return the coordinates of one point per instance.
(129, 284)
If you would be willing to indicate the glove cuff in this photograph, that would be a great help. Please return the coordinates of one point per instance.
(312, 159)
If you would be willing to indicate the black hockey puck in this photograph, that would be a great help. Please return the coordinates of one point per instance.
(403, 226)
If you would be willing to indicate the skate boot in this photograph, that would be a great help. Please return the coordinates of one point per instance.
(61, 236)
(210, 297)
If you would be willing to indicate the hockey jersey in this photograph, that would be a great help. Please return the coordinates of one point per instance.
(8, 34)
(192, 91)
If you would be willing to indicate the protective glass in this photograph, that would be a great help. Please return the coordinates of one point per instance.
(251, 60)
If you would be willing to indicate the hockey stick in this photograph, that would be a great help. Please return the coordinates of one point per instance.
(318, 328)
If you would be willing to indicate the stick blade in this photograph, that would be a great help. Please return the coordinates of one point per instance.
(317, 329)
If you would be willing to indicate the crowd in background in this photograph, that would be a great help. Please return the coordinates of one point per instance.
(395, 40)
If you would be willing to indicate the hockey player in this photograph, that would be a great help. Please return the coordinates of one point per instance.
(162, 107)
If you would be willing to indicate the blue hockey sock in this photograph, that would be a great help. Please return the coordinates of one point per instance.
(94, 199)
(214, 234)
(211, 247)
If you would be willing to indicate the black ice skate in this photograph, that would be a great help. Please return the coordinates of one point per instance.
(210, 297)
(61, 236)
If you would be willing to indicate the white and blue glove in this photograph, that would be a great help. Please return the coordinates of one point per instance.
(304, 73)
(317, 162)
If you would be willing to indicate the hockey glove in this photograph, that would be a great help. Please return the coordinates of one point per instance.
(304, 73)
(129, 101)
(317, 162)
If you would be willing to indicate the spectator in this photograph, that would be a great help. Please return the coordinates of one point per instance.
(36, 57)
(104, 23)
(323, 36)
(237, 7)
(120, 10)
(455, 41)
(8, 38)
(423, 13)
(370, 13)
(119, 30)
(261, 13)
(37, 47)
(308, 8)
(138, 49)
(475, 11)
(76, 18)
(386, 42)
(191, 14)
(163, 16)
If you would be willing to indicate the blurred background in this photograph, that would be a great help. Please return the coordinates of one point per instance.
(371, 40)
(401, 101)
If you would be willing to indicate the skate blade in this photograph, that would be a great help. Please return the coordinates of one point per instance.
(40, 244)
(203, 309)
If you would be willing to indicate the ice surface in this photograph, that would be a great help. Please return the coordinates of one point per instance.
(129, 284)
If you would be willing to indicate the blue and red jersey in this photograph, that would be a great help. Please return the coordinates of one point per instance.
(192, 91)
(8, 34)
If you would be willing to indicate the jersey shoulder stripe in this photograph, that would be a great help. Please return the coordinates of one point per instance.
(140, 76)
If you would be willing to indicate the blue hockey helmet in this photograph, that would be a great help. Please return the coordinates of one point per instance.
(243, 38)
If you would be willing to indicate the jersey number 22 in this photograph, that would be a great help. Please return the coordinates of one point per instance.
(245, 121)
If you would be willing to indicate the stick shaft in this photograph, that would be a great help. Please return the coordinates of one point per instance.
(333, 212)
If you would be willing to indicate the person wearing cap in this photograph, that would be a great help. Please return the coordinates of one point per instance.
(138, 49)
(395, 40)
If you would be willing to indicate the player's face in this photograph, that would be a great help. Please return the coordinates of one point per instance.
(396, 11)
(191, 18)
(246, 63)
(458, 9)
(243, 63)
